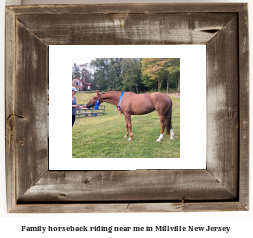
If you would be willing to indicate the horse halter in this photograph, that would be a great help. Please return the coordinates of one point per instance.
(121, 96)
(99, 97)
(98, 101)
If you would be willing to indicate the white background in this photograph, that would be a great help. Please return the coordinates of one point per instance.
(192, 121)
(10, 224)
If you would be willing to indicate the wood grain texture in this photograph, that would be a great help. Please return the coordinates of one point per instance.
(222, 107)
(154, 8)
(244, 106)
(123, 29)
(9, 109)
(222, 187)
(186, 207)
(129, 207)
(30, 108)
(142, 185)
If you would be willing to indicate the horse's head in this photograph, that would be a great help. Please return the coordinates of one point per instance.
(93, 101)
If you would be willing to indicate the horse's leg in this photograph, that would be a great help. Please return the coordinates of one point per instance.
(171, 133)
(127, 130)
(128, 126)
(163, 124)
(169, 130)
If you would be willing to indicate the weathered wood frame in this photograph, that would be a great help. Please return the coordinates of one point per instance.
(223, 186)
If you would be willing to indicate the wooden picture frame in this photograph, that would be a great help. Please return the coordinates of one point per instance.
(223, 186)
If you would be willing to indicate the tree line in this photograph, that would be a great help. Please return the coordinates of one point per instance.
(131, 74)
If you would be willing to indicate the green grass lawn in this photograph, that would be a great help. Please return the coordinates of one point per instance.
(102, 136)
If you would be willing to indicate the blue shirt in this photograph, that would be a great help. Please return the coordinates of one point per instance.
(73, 108)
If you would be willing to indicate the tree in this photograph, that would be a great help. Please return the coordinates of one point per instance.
(159, 70)
(131, 74)
(155, 69)
(100, 73)
(117, 74)
(85, 74)
(75, 71)
(174, 71)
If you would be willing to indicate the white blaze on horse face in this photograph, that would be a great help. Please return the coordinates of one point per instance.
(171, 134)
(160, 138)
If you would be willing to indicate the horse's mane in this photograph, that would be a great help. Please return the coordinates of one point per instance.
(112, 92)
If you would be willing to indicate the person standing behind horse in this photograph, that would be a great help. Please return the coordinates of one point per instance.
(74, 105)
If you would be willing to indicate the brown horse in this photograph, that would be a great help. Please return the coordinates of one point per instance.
(139, 104)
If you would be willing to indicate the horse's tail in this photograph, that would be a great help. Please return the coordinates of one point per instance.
(168, 120)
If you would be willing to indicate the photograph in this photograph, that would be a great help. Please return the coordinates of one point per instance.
(122, 106)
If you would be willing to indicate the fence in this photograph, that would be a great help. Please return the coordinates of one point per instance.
(91, 111)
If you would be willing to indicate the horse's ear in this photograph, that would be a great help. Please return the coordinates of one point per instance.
(98, 93)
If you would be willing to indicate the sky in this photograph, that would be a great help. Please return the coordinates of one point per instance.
(79, 61)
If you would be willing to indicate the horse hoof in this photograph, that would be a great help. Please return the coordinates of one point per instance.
(171, 138)
(125, 136)
(129, 139)
(158, 140)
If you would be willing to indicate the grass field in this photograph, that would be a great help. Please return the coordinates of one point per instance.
(102, 136)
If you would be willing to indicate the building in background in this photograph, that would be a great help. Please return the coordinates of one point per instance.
(81, 85)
